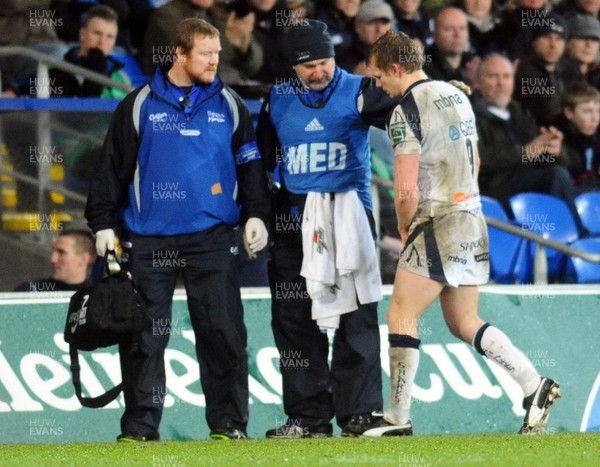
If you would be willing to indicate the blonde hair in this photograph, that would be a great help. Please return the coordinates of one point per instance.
(396, 47)
(188, 29)
(577, 93)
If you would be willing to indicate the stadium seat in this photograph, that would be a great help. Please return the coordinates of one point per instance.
(504, 247)
(132, 67)
(549, 217)
(584, 271)
(588, 207)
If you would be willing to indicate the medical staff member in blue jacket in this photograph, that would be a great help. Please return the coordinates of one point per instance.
(313, 132)
(180, 170)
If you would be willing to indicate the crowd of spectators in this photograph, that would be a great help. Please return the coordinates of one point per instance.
(548, 45)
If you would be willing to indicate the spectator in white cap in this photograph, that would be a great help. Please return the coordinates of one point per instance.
(373, 20)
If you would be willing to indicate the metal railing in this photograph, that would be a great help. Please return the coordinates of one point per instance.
(42, 91)
(45, 62)
(44, 125)
(540, 263)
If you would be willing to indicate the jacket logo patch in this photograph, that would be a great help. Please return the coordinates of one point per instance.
(215, 116)
(158, 117)
(190, 132)
(216, 189)
(247, 153)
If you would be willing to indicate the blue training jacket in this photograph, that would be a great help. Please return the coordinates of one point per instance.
(194, 162)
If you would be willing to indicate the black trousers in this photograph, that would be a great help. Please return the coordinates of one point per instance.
(208, 261)
(312, 391)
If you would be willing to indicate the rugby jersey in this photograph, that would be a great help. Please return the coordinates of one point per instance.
(434, 119)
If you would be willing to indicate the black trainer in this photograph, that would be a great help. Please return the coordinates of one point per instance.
(381, 427)
(227, 433)
(294, 431)
(537, 406)
(359, 423)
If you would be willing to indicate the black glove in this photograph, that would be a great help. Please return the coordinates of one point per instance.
(95, 61)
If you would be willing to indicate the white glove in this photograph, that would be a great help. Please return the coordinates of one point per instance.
(255, 236)
(105, 240)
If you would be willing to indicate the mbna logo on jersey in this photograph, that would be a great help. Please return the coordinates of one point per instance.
(453, 133)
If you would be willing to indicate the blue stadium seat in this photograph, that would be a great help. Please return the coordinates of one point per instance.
(588, 207)
(131, 66)
(504, 247)
(549, 217)
(584, 271)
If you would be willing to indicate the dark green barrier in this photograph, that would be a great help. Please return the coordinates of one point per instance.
(457, 391)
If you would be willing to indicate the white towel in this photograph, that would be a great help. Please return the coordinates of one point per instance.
(355, 248)
(340, 260)
(318, 246)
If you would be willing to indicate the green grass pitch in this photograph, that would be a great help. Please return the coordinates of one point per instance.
(556, 449)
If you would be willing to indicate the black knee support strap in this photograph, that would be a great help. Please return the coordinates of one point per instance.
(478, 336)
(403, 340)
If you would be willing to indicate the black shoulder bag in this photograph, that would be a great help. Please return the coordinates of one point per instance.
(105, 314)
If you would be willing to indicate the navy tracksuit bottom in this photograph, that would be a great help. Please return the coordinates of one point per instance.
(314, 392)
(208, 262)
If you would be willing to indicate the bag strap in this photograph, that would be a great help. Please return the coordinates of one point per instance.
(91, 402)
(119, 266)
(111, 394)
(113, 260)
(101, 267)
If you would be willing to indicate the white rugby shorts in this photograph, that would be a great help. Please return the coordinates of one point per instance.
(452, 249)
